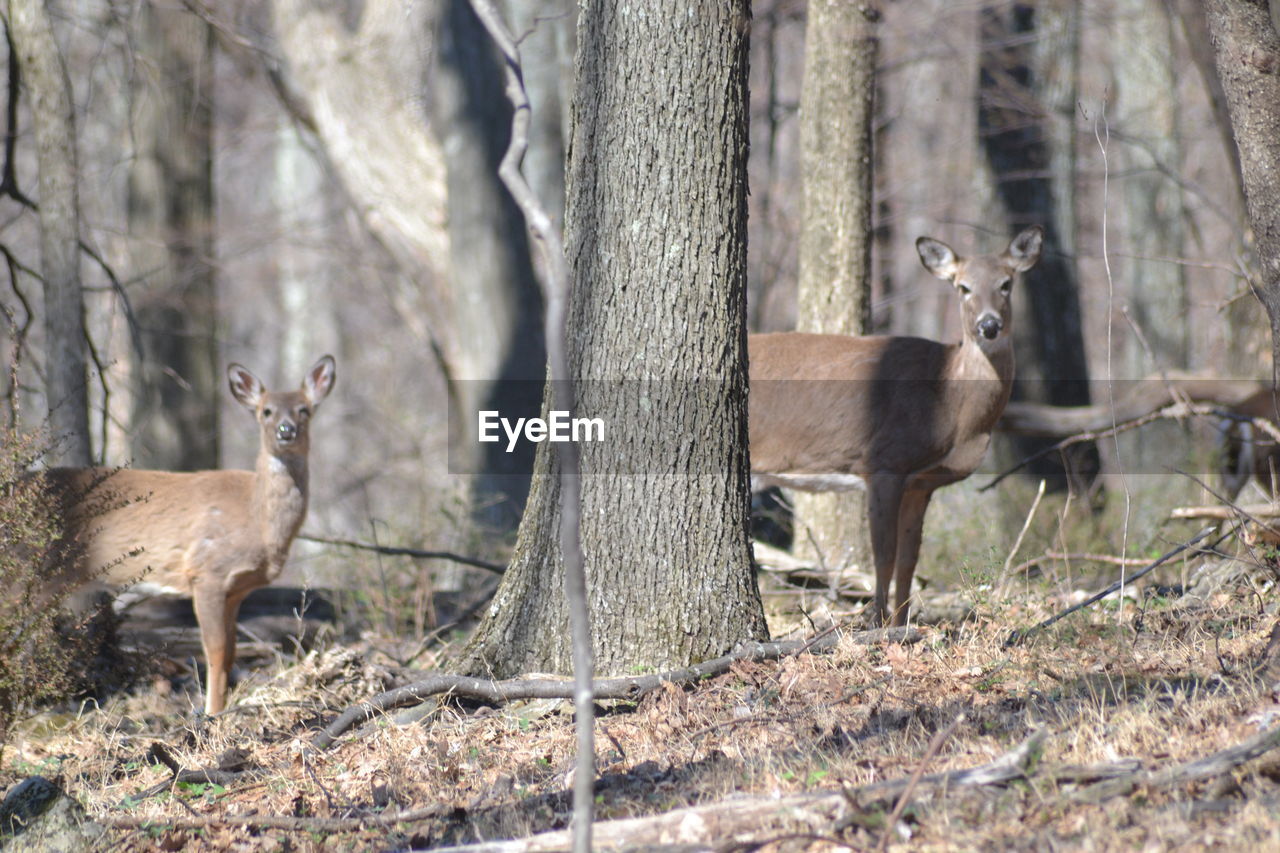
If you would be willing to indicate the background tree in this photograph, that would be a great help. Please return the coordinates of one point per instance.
(1017, 138)
(656, 242)
(836, 112)
(53, 114)
(1247, 50)
(170, 201)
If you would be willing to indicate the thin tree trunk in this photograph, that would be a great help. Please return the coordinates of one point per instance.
(1146, 116)
(836, 112)
(53, 114)
(170, 211)
(657, 223)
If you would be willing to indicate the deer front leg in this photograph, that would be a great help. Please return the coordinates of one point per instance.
(884, 505)
(915, 502)
(210, 604)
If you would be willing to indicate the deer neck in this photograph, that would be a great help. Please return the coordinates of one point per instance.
(985, 380)
(280, 498)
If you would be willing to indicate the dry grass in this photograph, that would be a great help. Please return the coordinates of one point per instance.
(1163, 681)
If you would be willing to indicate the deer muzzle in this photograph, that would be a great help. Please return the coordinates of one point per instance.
(286, 432)
(989, 326)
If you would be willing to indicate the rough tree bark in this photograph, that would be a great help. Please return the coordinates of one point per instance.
(1247, 53)
(836, 111)
(657, 245)
(170, 212)
(53, 114)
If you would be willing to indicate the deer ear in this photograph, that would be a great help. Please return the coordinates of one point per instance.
(320, 379)
(1024, 250)
(937, 257)
(245, 387)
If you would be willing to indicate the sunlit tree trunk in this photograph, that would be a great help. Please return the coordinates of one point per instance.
(53, 114)
(836, 111)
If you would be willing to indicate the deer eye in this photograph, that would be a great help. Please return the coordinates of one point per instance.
(1006, 285)
(304, 412)
(267, 411)
(963, 288)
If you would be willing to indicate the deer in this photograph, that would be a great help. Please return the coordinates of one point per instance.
(214, 536)
(897, 416)
(1245, 450)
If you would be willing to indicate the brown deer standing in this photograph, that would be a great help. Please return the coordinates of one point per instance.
(1245, 450)
(898, 416)
(213, 535)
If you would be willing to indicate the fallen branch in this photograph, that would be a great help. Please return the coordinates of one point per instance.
(1147, 396)
(1191, 771)
(1227, 513)
(1019, 635)
(1175, 411)
(289, 822)
(416, 553)
(737, 819)
(629, 688)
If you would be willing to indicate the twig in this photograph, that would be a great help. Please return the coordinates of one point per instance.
(1017, 543)
(416, 553)
(935, 744)
(1174, 411)
(1019, 635)
(555, 287)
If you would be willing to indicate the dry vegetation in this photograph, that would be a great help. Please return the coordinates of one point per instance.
(1149, 682)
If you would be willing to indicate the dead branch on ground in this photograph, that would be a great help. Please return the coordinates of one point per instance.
(627, 688)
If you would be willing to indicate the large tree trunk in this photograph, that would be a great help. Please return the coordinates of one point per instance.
(1018, 137)
(1247, 51)
(170, 210)
(836, 111)
(657, 224)
(53, 114)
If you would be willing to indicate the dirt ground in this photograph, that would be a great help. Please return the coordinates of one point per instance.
(1099, 721)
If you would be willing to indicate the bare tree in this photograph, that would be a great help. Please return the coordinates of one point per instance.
(656, 242)
(836, 111)
(171, 226)
(53, 114)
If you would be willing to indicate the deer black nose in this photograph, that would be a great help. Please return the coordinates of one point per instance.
(286, 432)
(989, 326)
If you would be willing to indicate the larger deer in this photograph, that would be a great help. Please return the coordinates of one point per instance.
(213, 535)
(899, 416)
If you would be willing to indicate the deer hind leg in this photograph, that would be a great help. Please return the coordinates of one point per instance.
(915, 502)
(884, 506)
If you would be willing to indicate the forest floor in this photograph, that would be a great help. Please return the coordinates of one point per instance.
(1093, 732)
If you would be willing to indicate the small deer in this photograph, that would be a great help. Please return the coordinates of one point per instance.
(899, 416)
(212, 535)
(1247, 451)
